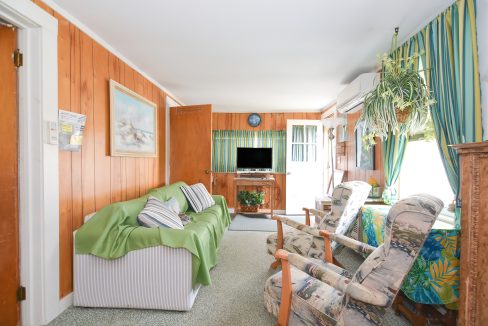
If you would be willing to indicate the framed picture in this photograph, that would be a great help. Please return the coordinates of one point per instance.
(364, 156)
(133, 123)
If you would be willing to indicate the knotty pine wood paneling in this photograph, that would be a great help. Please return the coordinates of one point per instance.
(91, 179)
(223, 182)
(347, 162)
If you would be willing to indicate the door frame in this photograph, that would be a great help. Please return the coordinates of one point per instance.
(170, 102)
(38, 161)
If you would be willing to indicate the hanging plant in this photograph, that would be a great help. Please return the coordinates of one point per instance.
(400, 102)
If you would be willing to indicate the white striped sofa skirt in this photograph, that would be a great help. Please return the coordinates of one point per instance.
(151, 278)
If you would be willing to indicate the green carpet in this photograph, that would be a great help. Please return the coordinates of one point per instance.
(235, 297)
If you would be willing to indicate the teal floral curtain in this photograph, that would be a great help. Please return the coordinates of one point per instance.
(225, 143)
(448, 49)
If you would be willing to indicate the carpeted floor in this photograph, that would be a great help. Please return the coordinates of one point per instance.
(258, 223)
(234, 298)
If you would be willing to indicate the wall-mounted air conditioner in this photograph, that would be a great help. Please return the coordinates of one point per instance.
(349, 100)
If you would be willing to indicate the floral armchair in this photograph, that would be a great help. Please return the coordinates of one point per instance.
(313, 292)
(347, 199)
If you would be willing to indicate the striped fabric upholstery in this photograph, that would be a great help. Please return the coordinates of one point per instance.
(192, 198)
(203, 195)
(156, 214)
(151, 278)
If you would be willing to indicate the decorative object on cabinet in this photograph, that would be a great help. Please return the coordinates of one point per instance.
(250, 201)
(133, 123)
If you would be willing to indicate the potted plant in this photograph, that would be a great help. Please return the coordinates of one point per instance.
(250, 201)
(400, 102)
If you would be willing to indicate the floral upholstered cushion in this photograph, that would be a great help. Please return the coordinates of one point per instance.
(313, 302)
(362, 298)
(348, 197)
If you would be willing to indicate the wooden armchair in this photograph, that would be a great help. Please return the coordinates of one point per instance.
(306, 240)
(309, 291)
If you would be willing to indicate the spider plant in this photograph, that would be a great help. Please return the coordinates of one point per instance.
(400, 102)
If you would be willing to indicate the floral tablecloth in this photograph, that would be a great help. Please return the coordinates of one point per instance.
(434, 278)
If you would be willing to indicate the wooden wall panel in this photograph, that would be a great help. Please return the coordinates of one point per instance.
(347, 162)
(223, 182)
(91, 179)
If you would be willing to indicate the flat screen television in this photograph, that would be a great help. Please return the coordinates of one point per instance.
(254, 159)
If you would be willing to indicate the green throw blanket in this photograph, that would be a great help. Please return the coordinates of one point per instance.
(114, 231)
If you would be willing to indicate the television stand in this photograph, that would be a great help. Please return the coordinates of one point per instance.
(257, 180)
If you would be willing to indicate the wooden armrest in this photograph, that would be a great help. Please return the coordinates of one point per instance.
(307, 229)
(317, 212)
(299, 226)
(357, 246)
(307, 216)
(341, 283)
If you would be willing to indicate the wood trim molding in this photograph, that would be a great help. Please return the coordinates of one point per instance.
(472, 278)
(474, 243)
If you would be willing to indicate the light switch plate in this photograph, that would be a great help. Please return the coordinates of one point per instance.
(53, 132)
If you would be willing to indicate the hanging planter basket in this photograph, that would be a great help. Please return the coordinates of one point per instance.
(400, 102)
(403, 116)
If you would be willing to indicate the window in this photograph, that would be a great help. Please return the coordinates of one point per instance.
(304, 144)
(423, 172)
(422, 169)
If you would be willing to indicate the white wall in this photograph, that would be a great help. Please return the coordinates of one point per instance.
(482, 22)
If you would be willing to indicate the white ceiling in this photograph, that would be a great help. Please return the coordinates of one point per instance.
(253, 55)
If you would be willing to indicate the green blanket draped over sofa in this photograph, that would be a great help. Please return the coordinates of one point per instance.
(114, 231)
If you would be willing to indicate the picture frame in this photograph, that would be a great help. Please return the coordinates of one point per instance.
(365, 157)
(133, 123)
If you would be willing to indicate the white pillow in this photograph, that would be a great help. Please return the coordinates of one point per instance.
(203, 195)
(156, 214)
(192, 199)
(198, 197)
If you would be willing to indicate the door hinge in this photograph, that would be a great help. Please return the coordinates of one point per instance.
(21, 293)
(18, 58)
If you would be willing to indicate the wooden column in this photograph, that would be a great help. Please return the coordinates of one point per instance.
(474, 235)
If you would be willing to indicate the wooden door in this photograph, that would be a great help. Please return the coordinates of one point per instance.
(191, 144)
(9, 222)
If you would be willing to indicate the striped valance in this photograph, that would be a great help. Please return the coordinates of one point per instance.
(226, 142)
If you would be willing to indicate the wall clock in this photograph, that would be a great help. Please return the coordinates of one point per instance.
(254, 119)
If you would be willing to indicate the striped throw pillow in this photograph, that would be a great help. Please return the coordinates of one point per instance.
(192, 198)
(155, 214)
(203, 195)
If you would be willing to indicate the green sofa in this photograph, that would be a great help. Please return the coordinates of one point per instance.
(111, 245)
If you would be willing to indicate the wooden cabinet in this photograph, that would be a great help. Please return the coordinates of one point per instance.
(474, 233)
